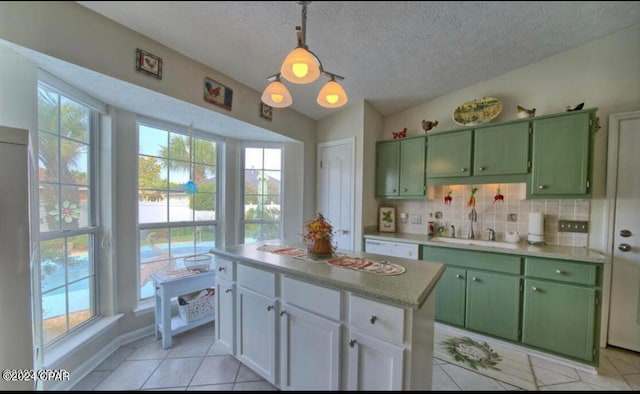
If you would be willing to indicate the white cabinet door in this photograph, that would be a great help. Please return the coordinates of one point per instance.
(256, 332)
(224, 326)
(373, 364)
(309, 351)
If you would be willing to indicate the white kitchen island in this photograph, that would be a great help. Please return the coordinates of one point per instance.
(309, 325)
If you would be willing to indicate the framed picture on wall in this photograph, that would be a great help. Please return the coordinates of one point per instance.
(387, 222)
(266, 111)
(148, 64)
(217, 94)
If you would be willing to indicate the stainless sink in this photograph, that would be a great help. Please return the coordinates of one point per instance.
(476, 242)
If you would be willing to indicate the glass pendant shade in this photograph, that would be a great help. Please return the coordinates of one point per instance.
(277, 95)
(332, 95)
(300, 66)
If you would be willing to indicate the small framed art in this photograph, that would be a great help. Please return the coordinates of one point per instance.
(148, 64)
(387, 221)
(217, 94)
(266, 111)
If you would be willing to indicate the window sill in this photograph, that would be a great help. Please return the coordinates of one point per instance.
(148, 306)
(62, 349)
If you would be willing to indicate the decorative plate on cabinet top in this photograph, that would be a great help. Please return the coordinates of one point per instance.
(477, 112)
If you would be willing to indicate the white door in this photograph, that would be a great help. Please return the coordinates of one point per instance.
(624, 309)
(373, 364)
(224, 329)
(336, 188)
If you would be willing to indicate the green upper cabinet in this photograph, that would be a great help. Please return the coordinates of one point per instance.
(387, 168)
(561, 154)
(400, 168)
(501, 150)
(449, 154)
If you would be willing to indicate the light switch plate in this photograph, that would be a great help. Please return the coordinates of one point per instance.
(573, 226)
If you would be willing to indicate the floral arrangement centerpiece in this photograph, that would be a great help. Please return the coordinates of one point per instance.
(317, 236)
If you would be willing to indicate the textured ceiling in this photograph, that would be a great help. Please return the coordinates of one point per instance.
(392, 54)
(395, 54)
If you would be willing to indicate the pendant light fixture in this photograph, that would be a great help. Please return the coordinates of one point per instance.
(302, 66)
(190, 187)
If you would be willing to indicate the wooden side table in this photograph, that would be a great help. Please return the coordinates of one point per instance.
(167, 287)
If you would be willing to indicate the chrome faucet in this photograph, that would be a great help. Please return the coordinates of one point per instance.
(473, 217)
(492, 234)
(453, 231)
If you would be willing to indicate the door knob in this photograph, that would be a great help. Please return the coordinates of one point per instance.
(624, 247)
(625, 233)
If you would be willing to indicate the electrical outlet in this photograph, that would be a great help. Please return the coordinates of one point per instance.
(573, 226)
(416, 219)
(512, 217)
(438, 214)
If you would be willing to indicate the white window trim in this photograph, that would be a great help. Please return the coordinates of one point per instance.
(259, 145)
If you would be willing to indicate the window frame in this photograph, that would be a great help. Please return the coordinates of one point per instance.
(168, 224)
(92, 229)
(241, 220)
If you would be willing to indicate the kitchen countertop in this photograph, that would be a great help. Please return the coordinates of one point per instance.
(408, 290)
(522, 249)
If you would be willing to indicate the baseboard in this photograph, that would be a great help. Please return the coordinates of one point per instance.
(89, 365)
(549, 357)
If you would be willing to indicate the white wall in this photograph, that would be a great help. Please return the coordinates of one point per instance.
(16, 341)
(604, 74)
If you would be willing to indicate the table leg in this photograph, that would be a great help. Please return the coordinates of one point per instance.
(166, 319)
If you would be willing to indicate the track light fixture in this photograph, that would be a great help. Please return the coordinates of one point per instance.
(301, 66)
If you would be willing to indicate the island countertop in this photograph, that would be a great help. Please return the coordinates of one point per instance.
(409, 289)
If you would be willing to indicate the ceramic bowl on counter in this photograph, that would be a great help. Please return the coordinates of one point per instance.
(512, 236)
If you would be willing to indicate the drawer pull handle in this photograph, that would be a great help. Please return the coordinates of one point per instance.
(534, 288)
(220, 269)
(270, 307)
(282, 313)
(559, 272)
(352, 342)
(458, 276)
(228, 291)
(373, 319)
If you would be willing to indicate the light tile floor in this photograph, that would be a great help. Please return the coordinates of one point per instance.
(195, 362)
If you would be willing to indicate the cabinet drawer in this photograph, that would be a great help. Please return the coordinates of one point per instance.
(224, 269)
(319, 300)
(505, 263)
(260, 281)
(564, 271)
(380, 320)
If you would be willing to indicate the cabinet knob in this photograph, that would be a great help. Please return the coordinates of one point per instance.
(220, 269)
(463, 169)
(458, 276)
(270, 307)
(373, 319)
(480, 168)
(283, 312)
(394, 190)
(625, 233)
(352, 342)
(228, 291)
(559, 272)
(474, 279)
(404, 190)
(624, 247)
(534, 288)
(541, 187)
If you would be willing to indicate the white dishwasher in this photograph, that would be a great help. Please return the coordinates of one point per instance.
(389, 248)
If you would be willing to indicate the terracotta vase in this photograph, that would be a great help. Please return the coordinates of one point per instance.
(320, 246)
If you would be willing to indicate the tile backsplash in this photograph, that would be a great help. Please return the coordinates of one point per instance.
(510, 214)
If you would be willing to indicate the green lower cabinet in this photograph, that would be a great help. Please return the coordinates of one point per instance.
(560, 318)
(450, 296)
(493, 304)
